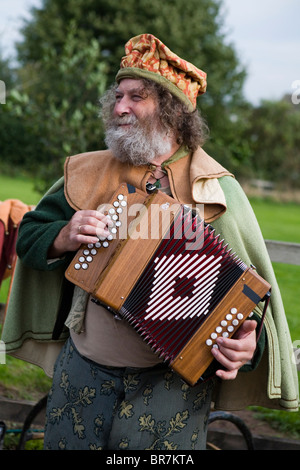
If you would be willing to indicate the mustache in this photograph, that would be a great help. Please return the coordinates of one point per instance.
(122, 120)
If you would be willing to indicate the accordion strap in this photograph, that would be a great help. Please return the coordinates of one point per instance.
(267, 301)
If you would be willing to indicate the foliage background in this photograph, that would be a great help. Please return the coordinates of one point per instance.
(70, 54)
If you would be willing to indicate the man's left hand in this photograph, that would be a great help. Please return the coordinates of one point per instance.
(233, 353)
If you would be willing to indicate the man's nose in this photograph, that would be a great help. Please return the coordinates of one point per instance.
(122, 107)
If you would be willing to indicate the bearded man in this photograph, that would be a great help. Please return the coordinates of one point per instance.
(110, 391)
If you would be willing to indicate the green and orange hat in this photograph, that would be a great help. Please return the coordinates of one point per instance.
(147, 57)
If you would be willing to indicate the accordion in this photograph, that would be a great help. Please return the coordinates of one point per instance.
(166, 272)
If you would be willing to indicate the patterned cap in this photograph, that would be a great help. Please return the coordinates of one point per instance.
(147, 57)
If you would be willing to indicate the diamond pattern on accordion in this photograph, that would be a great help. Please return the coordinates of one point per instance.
(181, 286)
(91, 250)
(170, 277)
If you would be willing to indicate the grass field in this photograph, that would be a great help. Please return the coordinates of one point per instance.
(18, 188)
(16, 372)
(277, 221)
(282, 222)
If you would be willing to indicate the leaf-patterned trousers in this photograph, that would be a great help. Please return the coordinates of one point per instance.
(94, 407)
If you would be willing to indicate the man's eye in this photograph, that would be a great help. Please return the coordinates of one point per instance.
(137, 97)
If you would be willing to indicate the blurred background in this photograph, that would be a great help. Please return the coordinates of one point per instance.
(58, 57)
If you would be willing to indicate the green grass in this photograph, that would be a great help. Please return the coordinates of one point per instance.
(281, 221)
(22, 381)
(288, 278)
(20, 188)
(18, 379)
(278, 221)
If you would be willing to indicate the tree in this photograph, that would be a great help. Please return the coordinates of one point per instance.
(273, 134)
(58, 107)
(70, 84)
(192, 29)
(15, 135)
(57, 60)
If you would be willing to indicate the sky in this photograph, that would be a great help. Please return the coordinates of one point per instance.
(264, 33)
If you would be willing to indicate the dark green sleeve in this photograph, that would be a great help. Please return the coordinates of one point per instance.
(40, 227)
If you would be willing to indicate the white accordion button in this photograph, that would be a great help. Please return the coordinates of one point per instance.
(214, 336)
(240, 316)
(230, 328)
(228, 316)
(77, 266)
(219, 329)
(89, 259)
(105, 244)
(225, 334)
(81, 259)
(235, 322)
(223, 323)
(233, 311)
(85, 266)
(209, 342)
(93, 252)
(120, 197)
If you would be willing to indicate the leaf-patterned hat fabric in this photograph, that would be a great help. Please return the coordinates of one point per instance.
(147, 57)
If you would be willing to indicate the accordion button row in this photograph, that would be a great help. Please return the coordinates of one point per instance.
(228, 325)
(91, 250)
(84, 261)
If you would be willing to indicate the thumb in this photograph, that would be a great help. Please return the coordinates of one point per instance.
(246, 328)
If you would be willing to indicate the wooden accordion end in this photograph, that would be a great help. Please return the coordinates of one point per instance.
(169, 275)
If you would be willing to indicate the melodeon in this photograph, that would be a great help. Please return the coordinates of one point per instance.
(180, 286)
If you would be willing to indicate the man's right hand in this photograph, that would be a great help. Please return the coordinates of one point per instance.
(86, 226)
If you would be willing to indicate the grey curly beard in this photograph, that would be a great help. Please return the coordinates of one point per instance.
(138, 144)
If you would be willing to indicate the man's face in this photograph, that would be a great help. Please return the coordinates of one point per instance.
(133, 99)
(133, 131)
